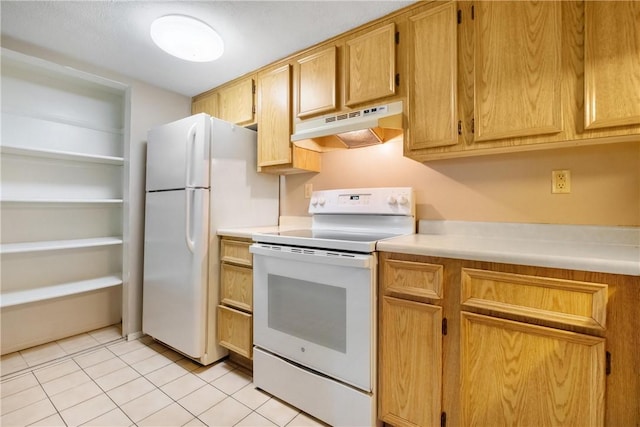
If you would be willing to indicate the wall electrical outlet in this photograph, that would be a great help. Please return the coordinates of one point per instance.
(561, 181)
(308, 190)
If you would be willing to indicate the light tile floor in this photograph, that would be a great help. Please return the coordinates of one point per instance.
(98, 379)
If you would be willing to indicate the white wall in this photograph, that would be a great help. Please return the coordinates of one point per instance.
(150, 106)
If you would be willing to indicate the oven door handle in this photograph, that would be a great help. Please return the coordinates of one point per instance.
(317, 256)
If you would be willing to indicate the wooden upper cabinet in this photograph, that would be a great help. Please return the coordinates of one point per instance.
(235, 102)
(206, 103)
(612, 63)
(370, 65)
(517, 70)
(514, 373)
(432, 80)
(317, 81)
(274, 116)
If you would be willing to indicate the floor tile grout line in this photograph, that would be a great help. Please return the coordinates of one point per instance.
(50, 401)
(103, 392)
(52, 362)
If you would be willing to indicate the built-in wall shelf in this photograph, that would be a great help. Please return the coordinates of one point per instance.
(63, 201)
(10, 299)
(55, 245)
(61, 155)
(65, 120)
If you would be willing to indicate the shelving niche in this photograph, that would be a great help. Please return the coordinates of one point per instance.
(63, 205)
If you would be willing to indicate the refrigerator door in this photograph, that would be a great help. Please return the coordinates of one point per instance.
(176, 269)
(178, 154)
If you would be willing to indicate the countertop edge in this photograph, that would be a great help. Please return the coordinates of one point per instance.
(593, 264)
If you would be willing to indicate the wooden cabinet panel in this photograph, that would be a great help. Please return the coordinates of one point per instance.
(317, 82)
(612, 63)
(556, 300)
(235, 331)
(519, 374)
(432, 93)
(410, 371)
(207, 103)
(370, 67)
(406, 278)
(236, 252)
(236, 286)
(235, 102)
(274, 116)
(518, 78)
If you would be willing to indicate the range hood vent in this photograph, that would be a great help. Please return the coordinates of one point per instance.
(359, 128)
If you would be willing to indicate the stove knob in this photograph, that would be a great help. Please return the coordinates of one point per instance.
(321, 201)
(314, 201)
(391, 200)
(402, 200)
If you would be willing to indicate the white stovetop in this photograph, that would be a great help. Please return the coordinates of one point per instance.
(588, 248)
(286, 223)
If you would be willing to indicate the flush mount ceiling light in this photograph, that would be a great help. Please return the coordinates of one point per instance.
(187, 38)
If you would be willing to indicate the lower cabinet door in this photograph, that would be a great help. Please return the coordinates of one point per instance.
(235, 331)
(410, 388)
(519, 374)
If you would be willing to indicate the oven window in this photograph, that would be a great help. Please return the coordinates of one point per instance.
(311, 311)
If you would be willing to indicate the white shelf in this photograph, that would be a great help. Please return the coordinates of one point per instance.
(64, 201)
(10, 299)
(61, 155)
(26, 247)
(63, 120)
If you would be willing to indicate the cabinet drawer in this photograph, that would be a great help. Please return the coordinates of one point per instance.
(236, 286)
(412, 279)
(235, 331)
(557, 300)
(235, 251)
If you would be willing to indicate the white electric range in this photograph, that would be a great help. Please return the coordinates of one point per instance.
(315, 302)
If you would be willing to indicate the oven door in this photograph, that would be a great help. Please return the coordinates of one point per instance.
(316, 308)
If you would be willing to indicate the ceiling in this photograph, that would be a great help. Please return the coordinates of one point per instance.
(115, 34)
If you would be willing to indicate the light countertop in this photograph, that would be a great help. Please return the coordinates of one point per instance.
(286, 223)
(589, 248)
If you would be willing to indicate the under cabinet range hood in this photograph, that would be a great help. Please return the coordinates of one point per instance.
(358, 128)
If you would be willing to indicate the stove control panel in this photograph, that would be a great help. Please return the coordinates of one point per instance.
(374, 201)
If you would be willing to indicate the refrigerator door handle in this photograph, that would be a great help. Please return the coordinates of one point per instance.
(191, 142)
(188, 220)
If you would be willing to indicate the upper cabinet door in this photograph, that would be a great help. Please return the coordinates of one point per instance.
(317, 82)
(370, 67)
(235, 103)
(274, 116)
(612, 63)
(206, 104)
(433, 78)
(518, 76)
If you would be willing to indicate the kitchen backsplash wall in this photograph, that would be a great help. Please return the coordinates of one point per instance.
(516, 187)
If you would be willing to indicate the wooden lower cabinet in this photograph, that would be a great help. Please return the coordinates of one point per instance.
(514, 373)
(235, 330)
(519, 345)
(235, 319)
(410, 363)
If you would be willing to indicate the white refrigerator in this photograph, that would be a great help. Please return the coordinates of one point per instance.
(201, 176)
